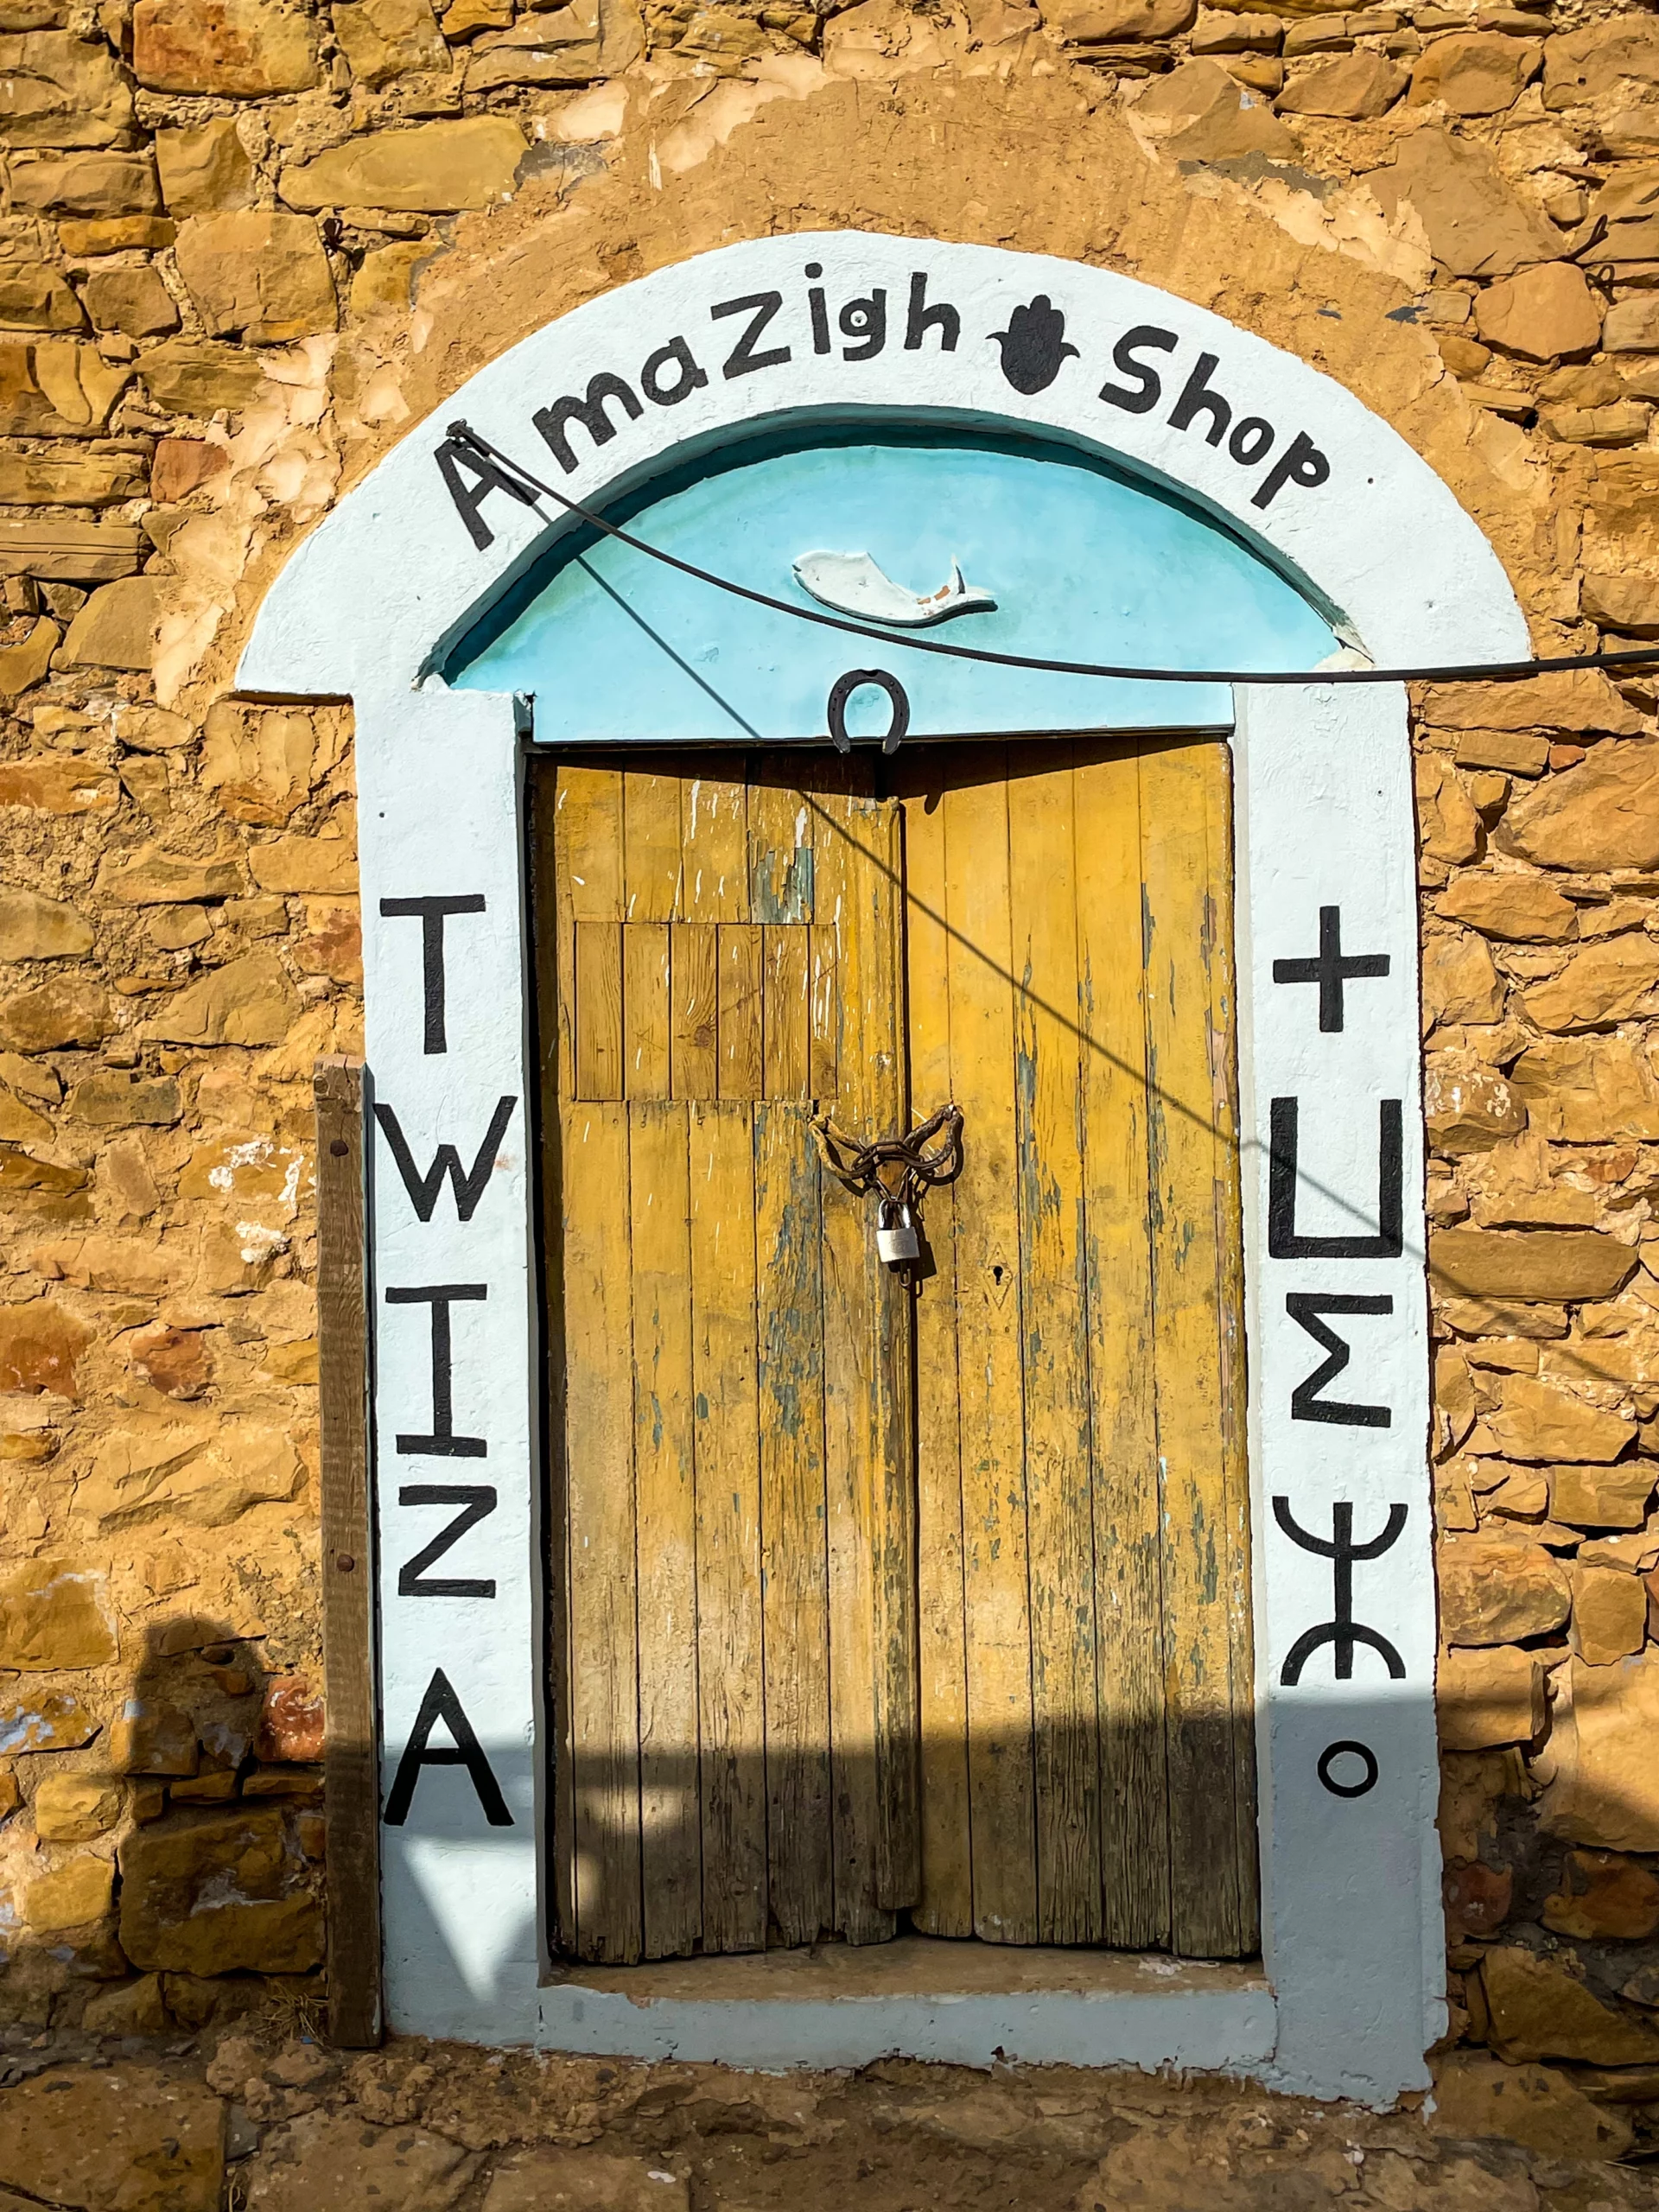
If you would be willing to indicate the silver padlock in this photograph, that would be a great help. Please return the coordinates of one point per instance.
(895, 1233)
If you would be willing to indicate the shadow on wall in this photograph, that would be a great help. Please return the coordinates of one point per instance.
(167, 1869)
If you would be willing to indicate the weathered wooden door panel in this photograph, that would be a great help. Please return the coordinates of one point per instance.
(1083, 1598)
(734, 1636)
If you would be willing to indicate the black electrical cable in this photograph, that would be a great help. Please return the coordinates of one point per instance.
(461, 433)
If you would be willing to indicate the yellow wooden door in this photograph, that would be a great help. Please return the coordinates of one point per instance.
(734, 1634)
(876, 1598)
(1086, 1735)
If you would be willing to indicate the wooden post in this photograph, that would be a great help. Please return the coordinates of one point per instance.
(351, 1765)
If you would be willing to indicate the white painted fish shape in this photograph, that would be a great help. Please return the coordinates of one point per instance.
(853, 584)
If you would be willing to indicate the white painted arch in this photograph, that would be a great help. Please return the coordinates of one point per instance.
(367, 608)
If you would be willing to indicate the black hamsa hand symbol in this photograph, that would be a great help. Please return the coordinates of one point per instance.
(1033, 345)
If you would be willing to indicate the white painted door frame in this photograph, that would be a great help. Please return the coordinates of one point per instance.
(705, 351)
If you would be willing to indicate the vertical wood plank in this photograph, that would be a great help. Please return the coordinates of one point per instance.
(946, 1904)
(867, 1438)
(730, 1657)
(1187, 1281)
(823, 1018)
(650, 844)
(350, 1765)
(1135, 1820)
(694, 993)
(786, 1012)
(671, 1819)
(588, 832)
(713, 826)
(994, 1563)
(598, 1010)
(645, 1053)
(780, 846)
(741, 1061)
(604, 1684)
(789, 1232)
(1053, 1344)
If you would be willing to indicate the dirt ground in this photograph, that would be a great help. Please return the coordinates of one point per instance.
(262, 2116)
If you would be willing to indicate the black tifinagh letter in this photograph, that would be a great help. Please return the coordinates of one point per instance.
(743, 361)
(433, 912)
(469, 1185)
(440, 1703)
(477, 1503)
(1342, 1631)
(452, 457)
(1148, 384)
(1330, 970)
(1301, 462)
(1306, 1403)
(443, 1443)
(554, 423)
(922, 318)
(1283, 1242)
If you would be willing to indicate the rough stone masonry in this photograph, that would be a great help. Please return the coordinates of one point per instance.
(244, 245)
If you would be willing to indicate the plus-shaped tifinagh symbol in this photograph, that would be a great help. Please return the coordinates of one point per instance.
(1331, 970)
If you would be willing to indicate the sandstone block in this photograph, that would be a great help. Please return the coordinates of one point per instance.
(70, 478)
(1476, 2095)
(1629, 603)
(129, 2008)
(33, 928)
(1543, 314)
(65, 1011)
(55, 388)
(1468, 1106)
(1539, 2010)
(549, 2180)
(1478, 73)
(215, 1891)
(1586, 1090)
(1569, 700)
(1209, 116)
(316, 866)
(21, 666)
(1607, 61)
(1359, 87)
(182, 466)
(384, 39)
(292, 1719)
(151, 876)
(58, 90)
(84, 184)
(321, 2159)
(126, 2138)
(1114, 20)
(1602, 1496)
(117, 628)
(205, 170)
(1605, 983)
(386, 277)
(56, 785)
(240, 49)
(75, 1807)
(53, 1615)
(1547, 1264)
(132, 299)
(1488, 1695)
(1459, 982)
(1522, 909)
(60, 551)
(258, 760)
(39, 1182)
(1537, 1421)
(191, 376)
(1605, 1897)
(1610, 1614)
(1514, 752)
(1495, 1590)
(1632, 326)
(1474, 220)
(34, 297)
(433, 167)
(249, 1002)
(1601, 1778)
(90, 235)
(69, 1897)
(149, 1736)
(46, 1720)
(263, 276)
(175, 1362)
(140, 1266)
(201, 1474)
(39, 1345)
(21, 1124)
(114, 1099)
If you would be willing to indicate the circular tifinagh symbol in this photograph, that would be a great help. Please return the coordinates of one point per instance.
(854, 680)
(1346, 1751)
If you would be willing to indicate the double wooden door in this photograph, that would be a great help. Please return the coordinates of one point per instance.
(887, 1600)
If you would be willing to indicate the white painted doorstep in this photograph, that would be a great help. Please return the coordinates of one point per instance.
(367, 606)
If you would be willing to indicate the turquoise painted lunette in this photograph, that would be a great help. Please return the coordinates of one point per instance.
(1083, 563)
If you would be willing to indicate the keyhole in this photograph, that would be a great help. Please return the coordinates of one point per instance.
(996, 1272)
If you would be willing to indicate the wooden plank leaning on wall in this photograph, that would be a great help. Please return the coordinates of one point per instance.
(350, 1776)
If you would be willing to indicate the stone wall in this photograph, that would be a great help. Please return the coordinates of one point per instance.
(245, 245)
